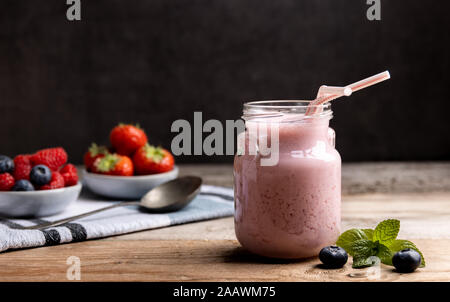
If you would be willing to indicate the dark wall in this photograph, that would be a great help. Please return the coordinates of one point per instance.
(155, 61)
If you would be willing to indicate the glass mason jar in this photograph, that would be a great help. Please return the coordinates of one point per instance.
(289, 207)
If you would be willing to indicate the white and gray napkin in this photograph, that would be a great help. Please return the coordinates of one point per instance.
(212, 202)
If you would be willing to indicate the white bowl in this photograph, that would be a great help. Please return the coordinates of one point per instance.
(37, 203)
(125, 187)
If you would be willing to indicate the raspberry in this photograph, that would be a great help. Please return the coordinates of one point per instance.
(22, 159)
(56, 182)
(22, 168)
(6, 182)
(52, 158)
(70, 175)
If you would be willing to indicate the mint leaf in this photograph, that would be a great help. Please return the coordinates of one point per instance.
(385, 254)
(360, 262)
(369, 233)
(365, 245)
(347, 238)
(386, 231)
(398, 245)
(363, 248)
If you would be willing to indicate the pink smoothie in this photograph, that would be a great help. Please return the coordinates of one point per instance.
(292, 209)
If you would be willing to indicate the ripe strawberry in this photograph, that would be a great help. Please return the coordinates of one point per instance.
(150, 160)
(93, 153)
(22, 167)
(70, 175)
(52, 158)
(6, 182)
(114, 164)
(126, 139)
(56, 182)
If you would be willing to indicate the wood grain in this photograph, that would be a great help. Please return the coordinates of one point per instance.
(424, 216)
(195, 260)
(359, 178)
(208, 250)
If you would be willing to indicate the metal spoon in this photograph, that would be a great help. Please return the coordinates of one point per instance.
(167, 197)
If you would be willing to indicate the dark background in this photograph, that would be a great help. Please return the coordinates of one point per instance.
(155, 61)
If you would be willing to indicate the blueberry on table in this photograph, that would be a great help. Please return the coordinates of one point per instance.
(406, 261)
(23, 185)
(40, 175)
(6, 164)
(333, 256)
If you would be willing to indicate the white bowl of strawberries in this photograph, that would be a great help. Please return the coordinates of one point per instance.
(130, 167)
(36, 185)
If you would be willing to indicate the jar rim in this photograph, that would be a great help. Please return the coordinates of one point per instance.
(276, 108)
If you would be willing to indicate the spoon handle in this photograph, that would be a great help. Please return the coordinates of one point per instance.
(68, 219)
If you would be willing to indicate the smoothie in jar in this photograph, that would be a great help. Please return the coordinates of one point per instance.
(291, 209)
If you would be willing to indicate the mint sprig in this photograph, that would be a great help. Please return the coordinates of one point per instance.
(367, 245)
(386, 231)
(369, 233)
(360, 262)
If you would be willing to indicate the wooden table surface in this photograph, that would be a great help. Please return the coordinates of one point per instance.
(416, 194)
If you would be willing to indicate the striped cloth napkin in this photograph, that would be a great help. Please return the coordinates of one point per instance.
(212, 202)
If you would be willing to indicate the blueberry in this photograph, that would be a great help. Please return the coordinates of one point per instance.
(23, 185)
(40, 175)
(333, 256)
(406, 261)
(6, 164)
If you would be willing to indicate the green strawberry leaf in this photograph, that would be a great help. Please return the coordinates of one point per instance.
(154, 153)
(347, 238)
(360, 262)
(386, 231)
(398, 245)
(108, 162)
(95, 150)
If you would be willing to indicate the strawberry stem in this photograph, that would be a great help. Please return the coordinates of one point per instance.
(154, 153)
(95, 150)
(107, 163)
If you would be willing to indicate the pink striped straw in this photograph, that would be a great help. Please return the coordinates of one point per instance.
(329, 93)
